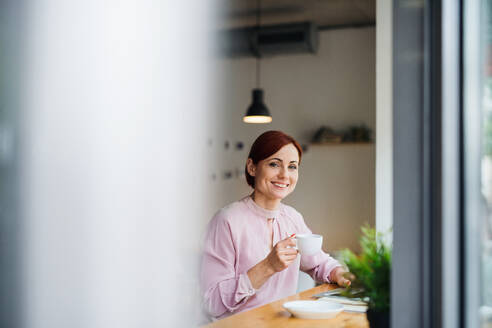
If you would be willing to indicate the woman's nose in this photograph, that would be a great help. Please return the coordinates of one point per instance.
(283, 172)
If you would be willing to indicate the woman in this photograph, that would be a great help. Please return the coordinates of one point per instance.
(249, 259)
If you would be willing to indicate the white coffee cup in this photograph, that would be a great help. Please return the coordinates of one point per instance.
(309, 244)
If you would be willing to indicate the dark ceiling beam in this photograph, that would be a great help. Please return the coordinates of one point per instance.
(342, 26)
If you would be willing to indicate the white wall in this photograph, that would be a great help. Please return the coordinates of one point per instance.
(111, 152)
(384, 115)
(335, 87)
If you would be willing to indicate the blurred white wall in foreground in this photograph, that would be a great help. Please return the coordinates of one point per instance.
(384, 117)
(112, 161)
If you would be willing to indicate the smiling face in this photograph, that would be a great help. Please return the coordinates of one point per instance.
(276, 176)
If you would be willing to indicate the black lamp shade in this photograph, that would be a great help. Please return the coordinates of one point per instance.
(257, 111)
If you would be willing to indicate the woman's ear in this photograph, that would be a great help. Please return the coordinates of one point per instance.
(251, 167)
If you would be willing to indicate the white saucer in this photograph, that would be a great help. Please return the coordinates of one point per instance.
(313, 309)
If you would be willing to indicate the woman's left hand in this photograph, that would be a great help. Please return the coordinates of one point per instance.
(339, 275)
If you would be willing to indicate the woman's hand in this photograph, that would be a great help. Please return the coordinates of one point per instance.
(339, 275)
(277, 260)
(282, 255)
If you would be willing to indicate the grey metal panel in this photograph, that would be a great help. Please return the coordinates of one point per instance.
(11, 24)
(427, 164)
(473, 199)
(411, 171)
(450, 163)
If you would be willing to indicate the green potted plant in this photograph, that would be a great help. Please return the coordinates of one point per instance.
(370, 272)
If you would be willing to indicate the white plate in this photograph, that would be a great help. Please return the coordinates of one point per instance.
(313, 309)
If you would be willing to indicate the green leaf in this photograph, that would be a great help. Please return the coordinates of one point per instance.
(371, 268)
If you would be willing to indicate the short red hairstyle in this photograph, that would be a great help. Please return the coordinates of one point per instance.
(267, 144)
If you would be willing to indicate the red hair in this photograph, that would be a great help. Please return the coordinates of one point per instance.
(267, 144)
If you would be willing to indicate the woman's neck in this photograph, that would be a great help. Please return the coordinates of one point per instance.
(266, 203)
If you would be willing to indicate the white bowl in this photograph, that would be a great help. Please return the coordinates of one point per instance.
(313, 309)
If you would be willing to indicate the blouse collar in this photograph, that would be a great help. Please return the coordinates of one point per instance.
(257, 209)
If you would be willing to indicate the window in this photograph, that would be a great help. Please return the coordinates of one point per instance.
(477, 87)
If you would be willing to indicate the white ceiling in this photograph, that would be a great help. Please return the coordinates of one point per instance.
(239, 13)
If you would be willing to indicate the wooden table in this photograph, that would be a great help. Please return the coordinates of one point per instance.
(274, 315)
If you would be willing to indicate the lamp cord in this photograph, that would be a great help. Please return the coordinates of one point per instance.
(258, 17)
(257, 72)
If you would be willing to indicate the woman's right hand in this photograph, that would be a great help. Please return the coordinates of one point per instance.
(282, 255)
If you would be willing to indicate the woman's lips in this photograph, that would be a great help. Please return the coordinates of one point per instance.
(280, 185)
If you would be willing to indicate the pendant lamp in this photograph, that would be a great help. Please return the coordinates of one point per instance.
(257, 111)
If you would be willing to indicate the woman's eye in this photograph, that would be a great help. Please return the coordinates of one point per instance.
(293, 167)
(273, 164)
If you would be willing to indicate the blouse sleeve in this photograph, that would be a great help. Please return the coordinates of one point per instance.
(320, 265)
(224, 289)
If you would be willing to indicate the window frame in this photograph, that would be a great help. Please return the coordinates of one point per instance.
(427, 221)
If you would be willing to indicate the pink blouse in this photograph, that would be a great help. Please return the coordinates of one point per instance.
(237, 239)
